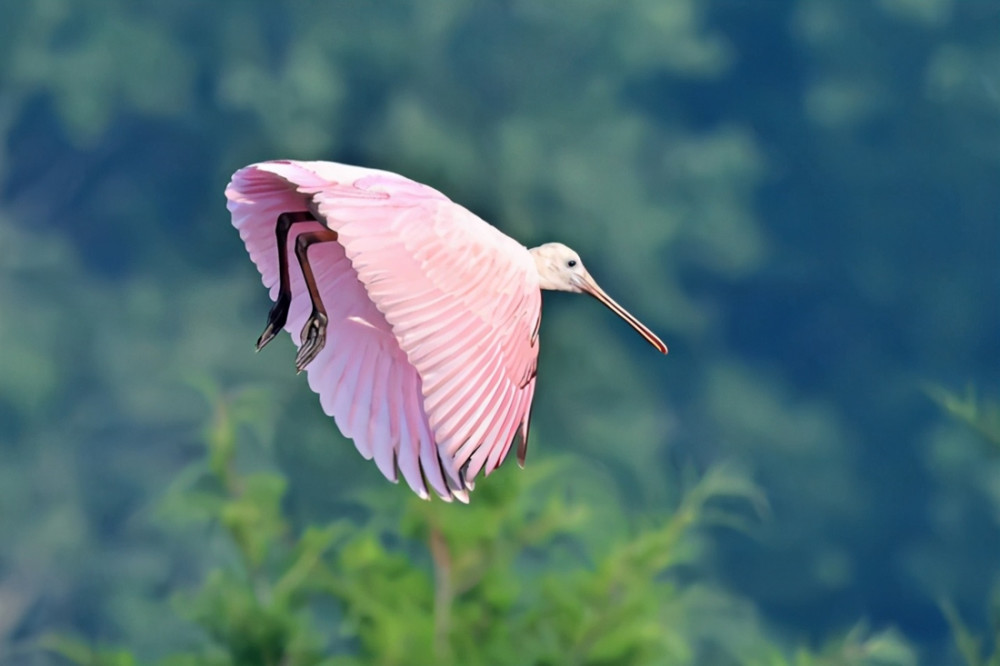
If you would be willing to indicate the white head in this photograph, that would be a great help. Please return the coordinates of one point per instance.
(560, 269)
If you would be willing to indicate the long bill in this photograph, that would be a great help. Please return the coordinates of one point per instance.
(589, 286)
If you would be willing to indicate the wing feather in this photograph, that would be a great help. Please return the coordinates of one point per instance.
(459, 415)
(433, 316)
(488, 421)
(472, 407)
(379, 422)
(495, 429)
(361, 401)
(507, 426)
(409, 441)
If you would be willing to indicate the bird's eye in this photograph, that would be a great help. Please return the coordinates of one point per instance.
(571, 263)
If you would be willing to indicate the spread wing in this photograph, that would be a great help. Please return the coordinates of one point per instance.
(433, 352)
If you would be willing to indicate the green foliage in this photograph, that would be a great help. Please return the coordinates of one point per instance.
(969, 645)
(981, 414)
(471, 605)
(857, 648)
(79, 652)
(503, 581)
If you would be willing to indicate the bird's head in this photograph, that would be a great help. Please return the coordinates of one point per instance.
(560, 269)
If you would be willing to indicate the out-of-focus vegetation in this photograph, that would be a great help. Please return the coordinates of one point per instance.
(801, 196)
(504, 582)
(983, 416)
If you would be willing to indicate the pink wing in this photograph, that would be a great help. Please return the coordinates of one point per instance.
(431, 349)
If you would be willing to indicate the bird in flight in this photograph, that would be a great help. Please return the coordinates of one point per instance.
(416, 321)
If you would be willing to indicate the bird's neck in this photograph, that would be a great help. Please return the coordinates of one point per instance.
(544, 268)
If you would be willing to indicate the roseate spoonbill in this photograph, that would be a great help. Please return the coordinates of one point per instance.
(419, 321)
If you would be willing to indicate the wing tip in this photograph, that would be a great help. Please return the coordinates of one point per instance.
(522, 436)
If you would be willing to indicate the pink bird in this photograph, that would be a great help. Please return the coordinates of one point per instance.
(419, 321)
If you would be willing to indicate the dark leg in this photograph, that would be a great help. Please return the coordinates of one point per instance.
(279, 311)
(314, 332)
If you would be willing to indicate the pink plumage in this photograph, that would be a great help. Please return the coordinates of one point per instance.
(427, 364)
(431, 315)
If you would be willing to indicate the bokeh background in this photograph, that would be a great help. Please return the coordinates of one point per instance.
(801, 197)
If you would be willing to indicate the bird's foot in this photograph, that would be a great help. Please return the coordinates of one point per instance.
(313, 340)
(276, 319)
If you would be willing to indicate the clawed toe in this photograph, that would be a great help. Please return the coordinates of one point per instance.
(313, 340)
(276, 319)
(269, 332)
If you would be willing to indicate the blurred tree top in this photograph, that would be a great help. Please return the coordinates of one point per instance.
(507, 581)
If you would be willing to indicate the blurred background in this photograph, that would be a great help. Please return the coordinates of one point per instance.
(801, 197)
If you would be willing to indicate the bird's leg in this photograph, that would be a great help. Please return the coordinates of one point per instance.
(314, 332)
(278, 315)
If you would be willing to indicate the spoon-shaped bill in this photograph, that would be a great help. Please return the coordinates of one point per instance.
(589, 286)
